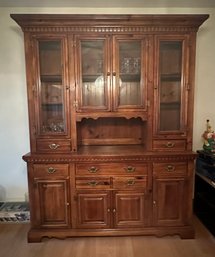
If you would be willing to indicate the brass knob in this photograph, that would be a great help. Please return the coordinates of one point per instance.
(53, 146)
(130, 182)
(51, 170)
(170, 168)
(170, 144)
(130, 169)
(93, 169)
(114, 210)
(92, 183)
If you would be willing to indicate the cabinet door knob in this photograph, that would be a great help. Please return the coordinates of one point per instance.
(130, 182)
(53, 146)
(170, 144)
(170, 168)
(130, 169)
(93, 183)
(51, 170)
(93, 169)
(114, 210)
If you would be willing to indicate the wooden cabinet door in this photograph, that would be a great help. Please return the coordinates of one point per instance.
(93, 209)
(93, 73)
(169, 202)
(130, 66)
(128, 209)
(51, 203)
(171, 84)
(51, 84)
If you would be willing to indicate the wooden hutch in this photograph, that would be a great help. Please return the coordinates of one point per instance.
(110, 102)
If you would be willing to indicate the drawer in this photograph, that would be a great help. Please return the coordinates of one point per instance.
(43, 170)
(53, 146)
(111, 169)
(175, 169)
(129, 182)
(169, 145)
(93, 183)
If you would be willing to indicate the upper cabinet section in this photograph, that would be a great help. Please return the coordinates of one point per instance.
(110, 80)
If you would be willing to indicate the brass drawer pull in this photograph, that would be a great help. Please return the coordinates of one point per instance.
(53, 146)
(92, 183)
(130, 169)
(51, 170)
(93, 169)
(170, 168)
(170, 144)
(130, 182)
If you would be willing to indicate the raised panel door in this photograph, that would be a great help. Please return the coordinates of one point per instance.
(169, 202)
(128, 209)
(51, 200)
(93, 209)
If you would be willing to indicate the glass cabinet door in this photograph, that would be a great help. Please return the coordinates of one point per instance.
(129, 67)
(92, 74)
(51, 87)
(171, 99)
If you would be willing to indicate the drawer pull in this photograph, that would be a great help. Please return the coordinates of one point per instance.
(51, 170)
(130, 182)
(170, 168)
(130, 169)
(53, 146)
(93, 169)
(170, 144)
(92, 183)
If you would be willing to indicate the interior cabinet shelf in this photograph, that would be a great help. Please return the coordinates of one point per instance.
(171, 77)
(51, 78)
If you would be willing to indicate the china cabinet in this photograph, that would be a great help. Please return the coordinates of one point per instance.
(110, 101)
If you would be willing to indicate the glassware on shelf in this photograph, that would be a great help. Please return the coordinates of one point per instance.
(130, 65)
(136, 65)
(54, 127)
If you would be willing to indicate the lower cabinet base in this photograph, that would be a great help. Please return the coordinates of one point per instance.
(36, 235)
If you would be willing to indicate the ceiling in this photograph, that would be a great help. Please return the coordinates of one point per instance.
(110, 3)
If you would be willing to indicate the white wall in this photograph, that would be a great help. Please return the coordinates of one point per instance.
(14, 135)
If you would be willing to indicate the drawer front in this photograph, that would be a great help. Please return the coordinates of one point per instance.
(43, 170)
(169, 145)
(53, 146)
(111, 169)
(129, 182)
(175, 169)
(92, 183)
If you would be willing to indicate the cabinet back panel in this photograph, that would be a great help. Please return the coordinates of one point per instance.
(104, 131)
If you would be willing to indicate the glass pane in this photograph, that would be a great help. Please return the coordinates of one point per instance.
(92, 65)
(130, 72)
(52, 118)
(170, 85)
